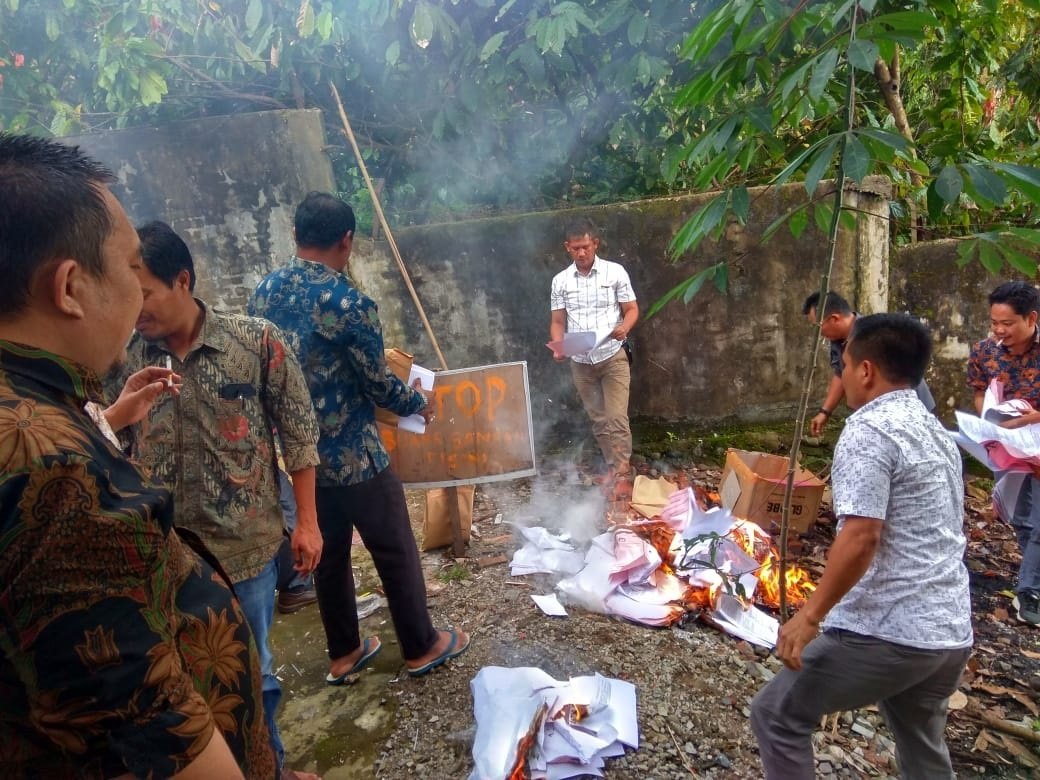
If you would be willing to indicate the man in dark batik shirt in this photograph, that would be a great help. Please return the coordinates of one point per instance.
(336, 333)
(121, 650)
(1012, 356)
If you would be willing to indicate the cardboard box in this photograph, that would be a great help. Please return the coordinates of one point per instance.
(400, 363)
(753, 484)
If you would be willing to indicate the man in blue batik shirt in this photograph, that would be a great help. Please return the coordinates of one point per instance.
(335, 331)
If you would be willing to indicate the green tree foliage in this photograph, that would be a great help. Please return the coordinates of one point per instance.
(467, 106)
(767, 103)
(462, 105)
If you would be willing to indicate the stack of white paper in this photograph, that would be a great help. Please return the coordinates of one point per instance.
(579, 342)
(545, 553)
(579, 723)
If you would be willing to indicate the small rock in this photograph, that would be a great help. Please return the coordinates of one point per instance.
(690, 749)
(723, 761)
(863, 729)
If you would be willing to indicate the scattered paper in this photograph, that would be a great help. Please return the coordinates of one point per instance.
(746, 621)
(621, 573)
(651, 496)
(550, 605)
(415, 423)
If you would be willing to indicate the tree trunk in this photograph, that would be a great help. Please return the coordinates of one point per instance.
(888, 81)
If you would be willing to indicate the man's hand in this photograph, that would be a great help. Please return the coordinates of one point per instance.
(620, 333)
(427, 412)
(139, 393)
(306, 546)
(817, 423)
(1029, 418)
(795, 634)
(559, 357)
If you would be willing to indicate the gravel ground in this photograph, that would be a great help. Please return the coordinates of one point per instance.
(694, 683)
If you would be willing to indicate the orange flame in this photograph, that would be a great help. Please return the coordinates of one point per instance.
(520, 769)
(799, 583)
(700, 598)
(758, 544)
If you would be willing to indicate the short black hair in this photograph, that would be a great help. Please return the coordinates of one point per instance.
(165, 254)
(581, 226)
(51, 207)
(322, 220)
(832, 304)
(899, 345)
(1020, 296)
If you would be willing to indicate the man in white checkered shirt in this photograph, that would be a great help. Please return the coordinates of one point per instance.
(595, 295)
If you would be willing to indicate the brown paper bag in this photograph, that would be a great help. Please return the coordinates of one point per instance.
(437, 521)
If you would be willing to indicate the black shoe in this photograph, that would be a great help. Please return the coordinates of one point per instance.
(290, 601)
(1028, 605)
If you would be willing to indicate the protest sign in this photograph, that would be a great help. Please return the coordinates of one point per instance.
(482, 430)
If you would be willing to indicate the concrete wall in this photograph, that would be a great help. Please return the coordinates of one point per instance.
(742, 355)
(229, 185)
(927, 282)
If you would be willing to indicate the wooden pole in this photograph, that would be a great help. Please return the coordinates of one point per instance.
(386, 228)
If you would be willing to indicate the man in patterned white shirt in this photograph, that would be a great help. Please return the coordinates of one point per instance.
(595, 295)
(893, 601)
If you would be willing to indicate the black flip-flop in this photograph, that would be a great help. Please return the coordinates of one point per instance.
(366, 656)
(453, 651)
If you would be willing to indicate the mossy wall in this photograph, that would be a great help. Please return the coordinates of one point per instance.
(228, 185)
(739, 355)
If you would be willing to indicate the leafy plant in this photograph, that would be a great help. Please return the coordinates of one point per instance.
(768, 100)
(454, 573)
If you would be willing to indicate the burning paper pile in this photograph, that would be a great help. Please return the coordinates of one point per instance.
(683, 560)
(530, 725)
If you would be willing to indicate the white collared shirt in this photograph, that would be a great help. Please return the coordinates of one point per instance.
(593, 303)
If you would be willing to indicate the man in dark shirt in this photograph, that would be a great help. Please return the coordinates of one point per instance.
(121, 650)
(836, 325)
(336, 333)
(1012, 356)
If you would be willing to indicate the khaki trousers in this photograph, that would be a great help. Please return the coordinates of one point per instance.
(603, 389)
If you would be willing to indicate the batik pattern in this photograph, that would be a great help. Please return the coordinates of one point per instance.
(335, 331)
(121, 649)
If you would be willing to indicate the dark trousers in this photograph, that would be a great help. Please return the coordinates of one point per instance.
(378, 510)
(843, 671)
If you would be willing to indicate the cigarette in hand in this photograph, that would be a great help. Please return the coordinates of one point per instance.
(169, 367)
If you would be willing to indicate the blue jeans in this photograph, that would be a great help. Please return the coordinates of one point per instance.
(288, 577)
(256, 595)
(1026, 522)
